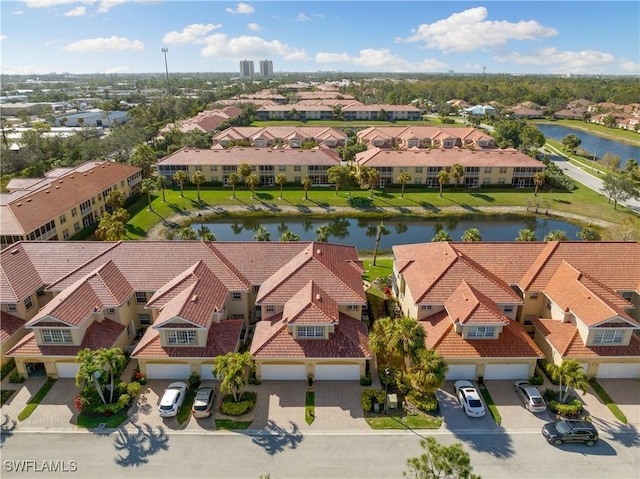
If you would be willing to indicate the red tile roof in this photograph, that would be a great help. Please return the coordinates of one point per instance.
(9, 325)
(252, 156)
(467, 305)
(466, 134)
(310, 305)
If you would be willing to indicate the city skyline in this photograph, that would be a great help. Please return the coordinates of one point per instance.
(530, 37)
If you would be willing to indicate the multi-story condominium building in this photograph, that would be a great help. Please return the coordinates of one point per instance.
(177, 305)
(266, 68)
(280, 136)
(350, 112)
(421, 137)
(246, 68)
(218, 164)
(488, 167)
(64, 202)
(205, 121)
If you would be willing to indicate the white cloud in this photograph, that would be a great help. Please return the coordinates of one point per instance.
(76, 12)
(254, 27)
(469, 30)
(113, 44)
(53, 3)
(243, 8)
(248, 46)
(3, 38)
(301, 17)
(323, 57)
(17, 12)
(381, 60)
(190, 34)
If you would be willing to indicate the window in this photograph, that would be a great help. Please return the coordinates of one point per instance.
(122, 184)
(534, 296)
(28, 303)
(181, 337)
(141, 297)
(487, 169)
(111, 310)
(502, 181)
(310, 332)
(74, 211)
(40, 293)
(12, 307)
(508, 308)
(481, 332)
(282, 168)
(56, 336)
(63, 219)
(65, 234)
(236, 296)
(76, 226)
(213, 168)
(144, 319)
(352, 307)
(627, 295)
(237, 316)
(271, 308)
(426, 307)
(503, 169)
(609, 336)
(418, 169)
(297, 168)
(256, 288)
(549, 305)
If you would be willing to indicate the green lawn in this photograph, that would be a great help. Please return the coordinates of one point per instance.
(35, 400)
(92, 422)
(231, 424)
(606, 399)
(382, 269)
(493, 409)
(185, 410)
(310, 407)
(411, 421)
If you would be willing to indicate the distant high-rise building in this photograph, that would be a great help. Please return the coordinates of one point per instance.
(246, 68)
(266, 68)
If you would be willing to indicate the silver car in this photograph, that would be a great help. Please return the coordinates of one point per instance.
(531, 397)
(203, 403)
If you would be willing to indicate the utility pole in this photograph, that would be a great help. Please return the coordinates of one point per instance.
(166, 68)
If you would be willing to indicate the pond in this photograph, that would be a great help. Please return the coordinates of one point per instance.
(361, 232)
(593, 144)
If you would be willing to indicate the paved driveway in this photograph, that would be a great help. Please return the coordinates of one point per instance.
(626, 394)
(57, 409)
(145, 412)
(453, 415)
(512, 410)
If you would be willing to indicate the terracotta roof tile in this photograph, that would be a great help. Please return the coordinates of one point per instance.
(9, 325)
(310, 305)
(466, 305)
(252, 156)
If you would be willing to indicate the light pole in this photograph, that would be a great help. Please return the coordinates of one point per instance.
(166, 68)
(387, 371)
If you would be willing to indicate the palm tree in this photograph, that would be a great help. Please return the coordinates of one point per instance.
(252, 181)
(280, 180)
(89, 371)
(538, 181)
(322, 233)
(244, 170)
(112, 225)
(443, 177)
(149, 185)
(113, 360)
(180, 177)
(162, 184)
(197, 179)
(428, 372)
(403, 178)
(457, 172)
(339, 175)
(289, 236)
(231, 369)
(441, 235)
(188, 234)
(115, 199)
(570, 373)
(380, 339)
(472, 234)
(369, 177)
(587, 234)
(306, 184)
(233, 180)
(526, 235)
(556, 235)
(406, 341)
(380, 230)
(262, 234)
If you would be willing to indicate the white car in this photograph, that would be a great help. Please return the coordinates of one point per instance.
(469, 399)
(531, 397)
(172, 399)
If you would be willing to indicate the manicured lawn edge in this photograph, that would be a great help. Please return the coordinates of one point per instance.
(606, 399)
(230, 424)
(310, 407)
(411, 421)
(488, 400)
(36, 399)
(185, 411)
(92, 422)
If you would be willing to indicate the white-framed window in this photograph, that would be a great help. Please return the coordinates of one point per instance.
(111, 310)
(486, 181)
(256, 288)
(352, 307)
(503, 169)
(508, 308)
(627, 295)
(144, 319)
(76, 226)
(65, 234)
(213, 168)
(63, 219)
(310, 331)
(549, 305)
(28, 303)
(56, 336)
(271, 308)
(236, 296)
(297, 168)
(182, 337)
(608, 336)
(488, 169)
(481, 332)
(237, 316)
(418, 169)
(74, 211)
(12, 307)
(282, 168)
(502, 181)
(426, 307)
(141, 297)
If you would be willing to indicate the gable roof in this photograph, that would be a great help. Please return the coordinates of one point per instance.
(467, 305)
(9, 325)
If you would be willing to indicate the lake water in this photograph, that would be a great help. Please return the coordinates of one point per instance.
(592, 143)
(361, 232)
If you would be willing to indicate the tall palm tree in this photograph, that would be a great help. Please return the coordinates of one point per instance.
(113, 361)
(369, 176)
(89, 371)
(428, 372)
(231, 369)
(441, 235)
(149, 185)
(403, 178)
(407, 339)
(280, 180)
(443, 177)
(162, 184)
(233, 180)
(526, 235)
(252, 181)
(380, 230)
(262, 234)
(197, 179)
(538, 181)
(588, 234)
(570, 373)
(244, 170)
(188, 234)
(556, 235)
(457, 172)
(289, 236)
(180, 177)
(306, 184)
(380, 340)
(470, 235)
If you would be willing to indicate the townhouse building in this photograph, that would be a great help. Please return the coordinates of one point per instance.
(421, 137)
(280, 136)
(350, 112)
(64, 202)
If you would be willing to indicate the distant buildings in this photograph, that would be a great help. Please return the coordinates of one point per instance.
(246, 68)
(266, 68)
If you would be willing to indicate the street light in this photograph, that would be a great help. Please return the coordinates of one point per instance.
(387, 371)
(166, 68)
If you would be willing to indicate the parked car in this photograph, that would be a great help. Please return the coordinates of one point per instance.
(172, 399)
(469, 399)
(531, 397)
(203, 403)
(570, 430)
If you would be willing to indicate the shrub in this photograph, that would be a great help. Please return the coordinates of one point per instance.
(7, 368)
(371, 396)
(16, 377)
(133, 389)
(254, 380)
(546, 369)
(550, 395)
(194, 380)
(428, 403)
(388, 378)
(573, 408)
(238, 408)
(366, 380)
(536, 380)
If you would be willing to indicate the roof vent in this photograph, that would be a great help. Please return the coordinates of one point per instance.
(318, 297)
(15, 251)
(28, 200)
(318, 251)
(194, 298)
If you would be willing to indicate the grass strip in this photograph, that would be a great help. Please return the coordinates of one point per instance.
(93, 421)
(230, 424)
(493, 409)
(606, 399)
(310, 407)
(411, 421)
(185, 410)
(36, 399)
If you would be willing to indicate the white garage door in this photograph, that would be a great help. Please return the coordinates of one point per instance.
(206, 373)
(619, 370)
(67, 370)
(506, 371)
(461, 371)
(286, 372)
(337, 372)
(168, 371)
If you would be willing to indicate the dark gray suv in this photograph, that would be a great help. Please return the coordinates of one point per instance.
(570, 430)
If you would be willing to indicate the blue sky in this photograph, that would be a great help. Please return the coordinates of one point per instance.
(125, 36)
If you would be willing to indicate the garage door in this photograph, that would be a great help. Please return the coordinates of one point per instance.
(619, 370)
(168, 371)
(337, 372)
(67, 370)
(286, 372)
(506, 371)
(206, 373)
(461, 371)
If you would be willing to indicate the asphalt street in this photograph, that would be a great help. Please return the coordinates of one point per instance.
(291, 454)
